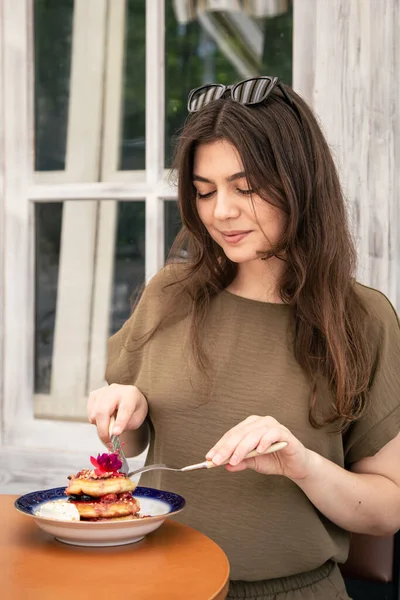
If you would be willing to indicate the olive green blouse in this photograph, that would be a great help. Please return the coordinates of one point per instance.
(266, 525)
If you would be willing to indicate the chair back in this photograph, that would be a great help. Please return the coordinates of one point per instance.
(370, 558)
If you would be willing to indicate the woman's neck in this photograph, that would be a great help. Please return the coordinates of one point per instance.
(259, 280)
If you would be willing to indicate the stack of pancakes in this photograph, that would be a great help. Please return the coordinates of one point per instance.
(105, 496)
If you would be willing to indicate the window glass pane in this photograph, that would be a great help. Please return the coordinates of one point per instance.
(129, 261)
(221, 47)
(123, 274)
(48, 218)
(52, 47)
(132, 144)
(172, 225)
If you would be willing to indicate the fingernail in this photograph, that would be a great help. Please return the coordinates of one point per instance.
(217, 459)
(260, 449)
(210, 454)
(117, 430)
(234, 460)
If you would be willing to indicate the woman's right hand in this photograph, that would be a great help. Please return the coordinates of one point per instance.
(125, 401)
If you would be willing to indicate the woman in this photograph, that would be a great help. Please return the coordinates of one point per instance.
(263, 336)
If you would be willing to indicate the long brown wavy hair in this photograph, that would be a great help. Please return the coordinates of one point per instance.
(288, 163)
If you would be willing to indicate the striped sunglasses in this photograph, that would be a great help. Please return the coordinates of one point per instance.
(247, 92)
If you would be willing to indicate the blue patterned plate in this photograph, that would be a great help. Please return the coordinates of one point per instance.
(156, 505)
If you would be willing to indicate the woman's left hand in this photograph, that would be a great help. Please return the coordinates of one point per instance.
(259, 433)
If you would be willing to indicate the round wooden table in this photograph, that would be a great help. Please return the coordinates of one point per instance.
(175, 562)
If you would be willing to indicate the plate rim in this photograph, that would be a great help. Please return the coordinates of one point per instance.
(103, 523)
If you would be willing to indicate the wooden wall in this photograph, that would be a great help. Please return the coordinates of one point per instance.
(347, 66)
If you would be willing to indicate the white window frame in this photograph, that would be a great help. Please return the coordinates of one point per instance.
(22, 190)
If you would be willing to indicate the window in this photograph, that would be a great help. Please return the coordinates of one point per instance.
(102, 95)
(90, 124)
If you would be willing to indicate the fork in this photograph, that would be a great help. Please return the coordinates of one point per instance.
(117, 446)
(207, 464)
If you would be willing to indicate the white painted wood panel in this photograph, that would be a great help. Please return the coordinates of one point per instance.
(73, 314)
(155, 91)
(346, 64)
(102, 294)
(155, 131)
(86, 85)
(17, 242)
(154, 235)
(2, 246)
(113, 99)
(86, 89)
(102, 191)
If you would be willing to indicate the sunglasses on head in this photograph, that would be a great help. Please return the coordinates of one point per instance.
(247, 92)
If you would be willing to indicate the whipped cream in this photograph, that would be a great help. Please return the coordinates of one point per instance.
(60, 510)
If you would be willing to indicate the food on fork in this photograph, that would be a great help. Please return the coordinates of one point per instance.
(103, 492)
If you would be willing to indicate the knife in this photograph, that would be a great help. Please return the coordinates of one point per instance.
(117, 447)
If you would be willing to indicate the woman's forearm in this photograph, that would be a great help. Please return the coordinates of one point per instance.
(360, 503)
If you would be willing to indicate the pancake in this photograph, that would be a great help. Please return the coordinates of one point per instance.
(103, 493)
(87, 482)
(110, 506)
